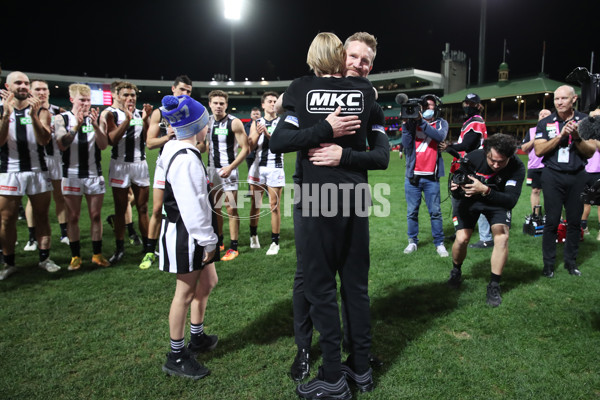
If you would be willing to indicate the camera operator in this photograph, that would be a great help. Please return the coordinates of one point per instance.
(563, 179)
(495, 185)
(472, 135)
(424, 166)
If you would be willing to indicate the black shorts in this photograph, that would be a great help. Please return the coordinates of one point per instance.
(466, 214)
(535, 175)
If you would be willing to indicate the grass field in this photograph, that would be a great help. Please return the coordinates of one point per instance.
(103, 333)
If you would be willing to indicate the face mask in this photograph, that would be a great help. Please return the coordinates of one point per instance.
(428, 114)
(470, 111)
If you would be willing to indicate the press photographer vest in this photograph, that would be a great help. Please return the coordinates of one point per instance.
(476, 124)
(426, 151)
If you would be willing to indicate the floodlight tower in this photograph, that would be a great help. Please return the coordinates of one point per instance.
(233, 13)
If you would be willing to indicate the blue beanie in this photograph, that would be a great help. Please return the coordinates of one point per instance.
(186, 115)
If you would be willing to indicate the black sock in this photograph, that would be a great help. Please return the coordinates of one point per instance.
(44, 254)
(130, 229)
(120, 244)
(97, 246)
(31, 233)
(220, 243)
(75, 248)
(275, 238)
(234, 244)
(457, 266)
(583, 223)
(150, 245)
(253, 230)
(495, 278)
(196, 330)
(9, 259)
(63, 229)
(177, 345)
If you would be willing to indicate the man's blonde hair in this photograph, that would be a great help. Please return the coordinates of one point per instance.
(326, 54)
(79, 88)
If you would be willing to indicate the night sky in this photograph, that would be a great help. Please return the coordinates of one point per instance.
(142, 40)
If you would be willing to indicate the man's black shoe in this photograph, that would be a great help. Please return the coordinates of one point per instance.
(116, 257)
(110, 220)
(207, 343)
(574, 271)
(183, 364)
(320, 389)
(493, 294)
(135, 240)
(301, 366)
(375, 361)
(548, 272)
(455, 278)
(482, 245)
(364, 382)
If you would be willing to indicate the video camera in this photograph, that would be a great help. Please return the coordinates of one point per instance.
(591, 194)
(590, 88)
(411, 107)
(462, 174)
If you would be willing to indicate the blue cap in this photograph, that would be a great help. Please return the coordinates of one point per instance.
(186, 115)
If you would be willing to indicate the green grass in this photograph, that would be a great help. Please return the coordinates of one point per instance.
(103, 333)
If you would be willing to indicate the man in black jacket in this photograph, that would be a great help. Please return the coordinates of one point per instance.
(492, 190)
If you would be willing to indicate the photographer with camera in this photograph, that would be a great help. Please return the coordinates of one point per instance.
(472, 135)
(424, 166)
(563, 179)
(487, 182)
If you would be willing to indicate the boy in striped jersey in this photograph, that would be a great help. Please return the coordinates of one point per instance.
(266, 173)
(188, 240)
(81, 140)
(126, 128)
(24, 130)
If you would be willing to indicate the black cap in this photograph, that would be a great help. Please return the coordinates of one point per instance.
(472, 98)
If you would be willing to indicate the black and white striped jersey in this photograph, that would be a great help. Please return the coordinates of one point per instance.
(264, 156)
(82, 158)
(21, 152)
(132, 146)
(223, 145)
(52, 147)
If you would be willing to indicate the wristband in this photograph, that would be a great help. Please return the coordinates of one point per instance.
(487, 192)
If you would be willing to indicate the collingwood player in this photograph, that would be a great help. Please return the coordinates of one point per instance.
(334, 233)
(225, 135)
(188, 242)
(81, 140)
(159, 133)
(266, 173)
(24, 130)
(126, 128)
(39, 89)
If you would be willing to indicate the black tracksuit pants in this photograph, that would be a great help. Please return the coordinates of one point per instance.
(562, 188)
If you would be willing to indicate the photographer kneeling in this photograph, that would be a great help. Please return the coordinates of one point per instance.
(488, 182)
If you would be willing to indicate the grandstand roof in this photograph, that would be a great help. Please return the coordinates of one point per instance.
(511, 88)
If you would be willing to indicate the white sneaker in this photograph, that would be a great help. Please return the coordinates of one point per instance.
(586, 231)
(6, 271)
(49, 265)
(31, 246)
(411, 248)
(64, 240)
(441, 250)
(274, 249)
(254, 244)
